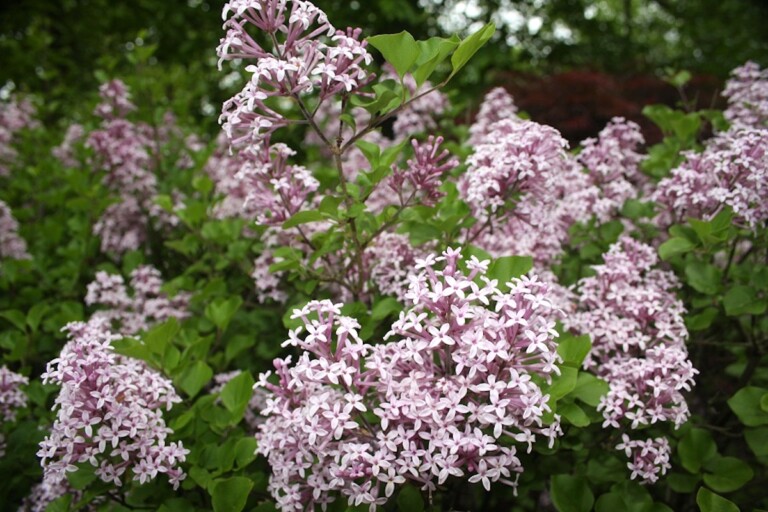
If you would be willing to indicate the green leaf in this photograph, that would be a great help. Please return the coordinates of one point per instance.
(695, 448)
(743, 300)
(230, 495)
(16, 318)
(192, 380)
(574, 414)
(432, 52)
(371, 152)
(158, 338)
(764, 403)
(702, 320)
(589, 389)
(384, 308)
(564, 383)
(84, 476)
(245, 451)
(757, 439)
(703, 277)
(683, 483)
(221, 311)
(330, 204)
(409, 498)
(132, 347)
(303, 217)
(571, 493)
(469, 46)
(35, 315)
(505, 268)
(727, 474)
(711, 502)
(400, 50)
(573, 349)
(675, 246)
(746, 405)
(237, 393)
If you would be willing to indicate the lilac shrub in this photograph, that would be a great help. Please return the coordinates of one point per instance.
(12, 246)
(109, 413)
(732, 171)
(429, 404)
(15, 115)
(638, 346)
(130, 313)
(12, 398)
(747, 95)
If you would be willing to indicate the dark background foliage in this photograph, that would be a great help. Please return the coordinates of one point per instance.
(61, 50)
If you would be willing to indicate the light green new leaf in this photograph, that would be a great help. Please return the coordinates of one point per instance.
(400, 50)
(469, 47)
(433, 51)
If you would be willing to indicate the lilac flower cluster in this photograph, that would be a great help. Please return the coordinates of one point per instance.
(422, 176)
(517, 158)
(731, 171)
(747, 94)
(12, 246)
(299, 62)
(274, 189)
(453, 393)
(15, 116)
(649, 458)
(109, 413)
(12, 398)
(66, 151)
(137, 311)
(638, 341)
(127, 153)
(497, 105)
(613, 162)
(392, 259)
(528, 163)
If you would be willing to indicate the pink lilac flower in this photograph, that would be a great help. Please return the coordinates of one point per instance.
(12, 398)
(127, 154)
(15, 115)
(649, 458)
(116, 100)
(275, 189)
(539, 225)
(638, 339)
(747, 95)
(452, 394)
(51, 488)
(309, 55)
(109, 413)
(130, 313)
(613, 162)
(497, 105)
(525, 190)
(392, 258)
(65, 152)
(731, 171)
(422, 176)
(12, 246)
(517, 159)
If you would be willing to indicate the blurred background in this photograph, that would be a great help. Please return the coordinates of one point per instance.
(570, 63)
